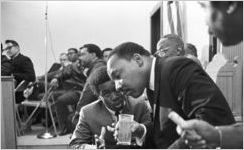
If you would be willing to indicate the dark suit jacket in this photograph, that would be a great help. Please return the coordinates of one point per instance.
(87, 96)
(95, 115)
(183, 86)
(23, 69)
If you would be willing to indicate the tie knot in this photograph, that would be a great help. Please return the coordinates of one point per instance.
(117, 114)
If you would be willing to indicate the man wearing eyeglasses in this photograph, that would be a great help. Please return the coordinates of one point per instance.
(102, 113)
(73, 54)
(22, 66)
(170, 45)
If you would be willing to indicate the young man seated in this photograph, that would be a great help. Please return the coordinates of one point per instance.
(104, 111)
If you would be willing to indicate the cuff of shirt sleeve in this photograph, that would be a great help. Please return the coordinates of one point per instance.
(139, 141)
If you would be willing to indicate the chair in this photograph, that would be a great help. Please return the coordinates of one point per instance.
(43, 103)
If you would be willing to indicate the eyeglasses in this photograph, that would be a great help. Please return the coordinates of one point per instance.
(162, 51)
(9, 47)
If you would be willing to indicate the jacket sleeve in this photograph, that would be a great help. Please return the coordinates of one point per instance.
(232, 136)
(82, 133)
(87, 96)
(27, 73)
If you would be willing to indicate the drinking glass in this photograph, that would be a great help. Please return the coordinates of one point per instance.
(124, 132)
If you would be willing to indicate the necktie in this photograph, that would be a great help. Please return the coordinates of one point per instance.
(117, 114)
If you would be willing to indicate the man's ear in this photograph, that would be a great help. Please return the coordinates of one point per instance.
(94, 55)
(138, 59)
(232, 7)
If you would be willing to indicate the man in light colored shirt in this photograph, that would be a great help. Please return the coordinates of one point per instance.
(104, 111)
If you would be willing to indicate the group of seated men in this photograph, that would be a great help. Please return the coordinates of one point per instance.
(172, 83)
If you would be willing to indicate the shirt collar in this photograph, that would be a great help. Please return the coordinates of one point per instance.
(152, 75)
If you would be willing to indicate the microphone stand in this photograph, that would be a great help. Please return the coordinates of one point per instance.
(47, 134)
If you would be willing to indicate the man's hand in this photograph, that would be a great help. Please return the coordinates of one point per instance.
(136, 128)
(208, 136)
(100, 141)
(54, 83)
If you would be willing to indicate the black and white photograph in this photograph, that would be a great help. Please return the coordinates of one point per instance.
(136, 74)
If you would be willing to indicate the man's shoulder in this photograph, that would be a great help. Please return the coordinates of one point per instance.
(94, 106)
(172, 60)
(99, 63)
(23, 57)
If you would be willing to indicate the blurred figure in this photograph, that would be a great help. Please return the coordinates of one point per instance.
(106, 53)
(170, 45)
(73, 55)
(22, 67)
(91, 59)
(191, 52)
(225, 21)
(105, 110)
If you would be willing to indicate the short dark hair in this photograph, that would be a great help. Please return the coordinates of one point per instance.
(128, 49)
(107, 49)
(74, 49)
(190, 49)
(92, 48)
(12, 42)
(99, 76)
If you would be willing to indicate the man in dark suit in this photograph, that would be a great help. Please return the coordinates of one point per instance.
(173, 83)
(102, 112)
(91, 59)
(22, 66)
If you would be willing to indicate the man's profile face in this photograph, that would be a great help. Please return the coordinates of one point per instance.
(85, 57)
(113, 99)
(167, 48)
(72, 55)
(11, 49)
(127, 76)
(63, 60)
(105, 55)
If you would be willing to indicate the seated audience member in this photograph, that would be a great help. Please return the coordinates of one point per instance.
(56, 67)
(227, 26)
(191, 52)
(173, 83)
(72, 80)
(106, 53)
(6, 63)
(22, 66)
(73, 55)
(35, 90)
(102, 112)
(170, 45)
(91, 59)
